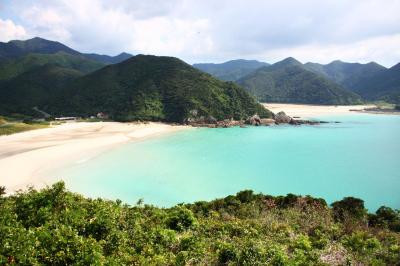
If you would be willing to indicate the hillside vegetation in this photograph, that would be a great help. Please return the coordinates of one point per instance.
(34, 88)
(17, 48)
(288, 81)
(384, 85)
(57, 227)
(348, 75)
(155, 88)
(17, 66)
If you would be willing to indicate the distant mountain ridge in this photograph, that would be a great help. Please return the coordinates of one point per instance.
(384, 85)
(16, 66)
(371, 81)
(17, 48)
(290, 82)
(231, 70)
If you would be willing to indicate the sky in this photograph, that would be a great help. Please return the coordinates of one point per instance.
(214, 30)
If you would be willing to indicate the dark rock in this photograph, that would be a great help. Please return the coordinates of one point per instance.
(281, 117)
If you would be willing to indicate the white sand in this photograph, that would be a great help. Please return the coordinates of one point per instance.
(308, 111)
(26, 156)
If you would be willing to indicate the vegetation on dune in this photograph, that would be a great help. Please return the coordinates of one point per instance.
(57, 227)
(11, 127)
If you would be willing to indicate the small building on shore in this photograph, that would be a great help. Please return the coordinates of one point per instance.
(66, 118)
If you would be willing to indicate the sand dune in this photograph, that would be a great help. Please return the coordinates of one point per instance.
(26, 156)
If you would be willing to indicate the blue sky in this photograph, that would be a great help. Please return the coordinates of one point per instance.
(214, 31)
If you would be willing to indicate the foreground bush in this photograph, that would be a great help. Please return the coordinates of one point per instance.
(57, 227)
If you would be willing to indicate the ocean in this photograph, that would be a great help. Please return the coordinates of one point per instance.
(359, 157)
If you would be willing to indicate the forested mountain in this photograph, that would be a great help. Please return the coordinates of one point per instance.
(384, 85)
(35, 88)
(13, 49)
(231, 70)
(142, 87)
(17, 48)
(157, 88)
(289, 81)
(106, 59)
(16, 66)
(348, 75)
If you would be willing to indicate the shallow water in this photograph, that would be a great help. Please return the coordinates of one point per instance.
(358, 157)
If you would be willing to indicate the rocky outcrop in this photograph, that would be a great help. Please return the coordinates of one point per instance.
(267, 121)
(282, 118)
(254, 120)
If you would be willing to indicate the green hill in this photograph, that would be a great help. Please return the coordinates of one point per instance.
(56, 227)
(384, 85)
(17, 48)
(157, 88)
(231, 70)
(289, 81)
(19, 65)
(106, 59)
(348, 75)
(34, 88)
(140, 88)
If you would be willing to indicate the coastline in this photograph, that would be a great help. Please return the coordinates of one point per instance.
(305, 111)
(26, 156)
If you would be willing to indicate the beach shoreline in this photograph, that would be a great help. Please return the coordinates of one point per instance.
(25, 157)
(304, 111)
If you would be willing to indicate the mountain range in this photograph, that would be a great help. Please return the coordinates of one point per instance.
(287, 81)
(62, 81)
(56, 79)
(231, 70)
(17, 48)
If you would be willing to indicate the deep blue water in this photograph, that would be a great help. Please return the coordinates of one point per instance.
(359, 157)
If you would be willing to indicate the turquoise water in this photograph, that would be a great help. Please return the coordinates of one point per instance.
(358, 157)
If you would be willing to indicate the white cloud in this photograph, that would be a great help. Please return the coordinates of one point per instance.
(382, 49)
(211, 30)
(10, 31)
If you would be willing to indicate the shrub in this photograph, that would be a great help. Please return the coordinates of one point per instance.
(349, 208)
(386, 217)
(181, 218)
(227, 253)
(245, 196)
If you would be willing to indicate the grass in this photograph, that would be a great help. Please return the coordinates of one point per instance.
(11, 128)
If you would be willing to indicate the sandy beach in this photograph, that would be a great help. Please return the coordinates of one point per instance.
(26, 156)
(308, 111)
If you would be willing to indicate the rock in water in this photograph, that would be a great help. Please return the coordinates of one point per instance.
(253, 120)
(281, 117)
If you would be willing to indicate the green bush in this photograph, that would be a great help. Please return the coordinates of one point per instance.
(181, 219)
(349, 208)
(57, 227)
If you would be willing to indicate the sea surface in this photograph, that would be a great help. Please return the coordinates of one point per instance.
(358, 157)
